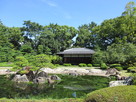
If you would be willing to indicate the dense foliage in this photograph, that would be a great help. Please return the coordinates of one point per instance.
(114, 40)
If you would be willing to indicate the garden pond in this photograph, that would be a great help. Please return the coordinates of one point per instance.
(68, 87)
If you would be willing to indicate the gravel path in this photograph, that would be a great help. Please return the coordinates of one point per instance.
(4, 70)
(64, 70)
(79, 71)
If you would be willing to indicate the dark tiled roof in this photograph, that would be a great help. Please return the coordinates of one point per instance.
(77, 51)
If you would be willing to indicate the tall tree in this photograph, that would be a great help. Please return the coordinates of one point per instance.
(85, 36)
(4, 41)
(57, 38)
(117, 30)
(130, 9)
(15, 37)
(32, 32)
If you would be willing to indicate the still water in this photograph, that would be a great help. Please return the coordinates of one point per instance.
(68, 87)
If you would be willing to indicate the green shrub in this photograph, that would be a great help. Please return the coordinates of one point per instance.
(21, 62)
(66, 64)
(115, 65)
(56, 59)
(113, 94)
(57, 65)
(131, 69)
(119, 68)
(89, 65)
(96, 65)
(82, 65)
(104, 66)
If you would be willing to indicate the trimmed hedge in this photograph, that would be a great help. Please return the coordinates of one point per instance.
(119, 68)
(89, 65)
(96, 65)
(115, 65)
(57, 65)
(113, 94)
(66, 64)
(82, 65)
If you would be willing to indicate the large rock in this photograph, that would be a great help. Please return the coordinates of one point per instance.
(55, 77)
(73, 74)
(42, 74)
(117, 83)
(19, 78)
(112, 71)
(40, 80)
(127, 81)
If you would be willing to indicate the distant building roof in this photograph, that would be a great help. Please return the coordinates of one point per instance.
(77, 51)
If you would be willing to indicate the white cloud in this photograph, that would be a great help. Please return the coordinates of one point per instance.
(50, 3)
(59, 10)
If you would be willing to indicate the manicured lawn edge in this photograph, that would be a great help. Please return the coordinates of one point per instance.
(43, 100)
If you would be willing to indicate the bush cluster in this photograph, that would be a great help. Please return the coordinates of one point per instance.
(85, 65)
(115, 65)
(66, 64)
(89, 65)
(96, 65)
(119, 68)
(103, 66)
(131, 69)
(82, 65)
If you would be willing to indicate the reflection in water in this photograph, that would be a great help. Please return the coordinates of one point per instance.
(27, 86)
(78, 87)
(21, 85)
(68, 87)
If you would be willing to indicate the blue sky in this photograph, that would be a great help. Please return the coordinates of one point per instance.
(63, 12)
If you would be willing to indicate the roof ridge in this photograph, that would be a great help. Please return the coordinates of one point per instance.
(78, 51)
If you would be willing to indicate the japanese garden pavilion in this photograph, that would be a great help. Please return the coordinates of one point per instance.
(77, 55)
